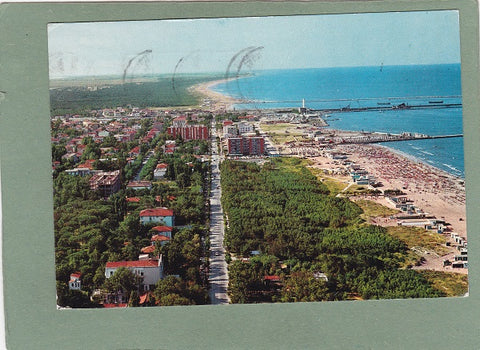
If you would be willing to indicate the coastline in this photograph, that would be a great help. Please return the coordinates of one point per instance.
(433, 190)
(213, 99)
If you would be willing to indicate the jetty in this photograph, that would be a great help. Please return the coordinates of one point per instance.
(376, 137)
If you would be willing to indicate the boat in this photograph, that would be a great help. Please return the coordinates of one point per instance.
(432, 102)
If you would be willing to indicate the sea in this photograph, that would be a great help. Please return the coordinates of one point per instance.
(436, 86)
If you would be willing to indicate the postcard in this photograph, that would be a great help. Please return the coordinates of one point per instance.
(196, 163)
(237, 175)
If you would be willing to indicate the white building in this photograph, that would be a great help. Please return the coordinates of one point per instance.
(230, 130)
(245, 128)
(75, 283)
(160, 171)
(150, 270)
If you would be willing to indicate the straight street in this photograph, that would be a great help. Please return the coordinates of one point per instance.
(218, 273)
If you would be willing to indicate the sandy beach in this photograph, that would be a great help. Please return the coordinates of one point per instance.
(212, 99)
(436, 192)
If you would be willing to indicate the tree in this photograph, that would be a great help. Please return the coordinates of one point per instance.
(174, 291)
(242, 279)
(303, 286)
(123, 279)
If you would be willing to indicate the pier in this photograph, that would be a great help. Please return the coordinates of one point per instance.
(380, 137)
(401, 106)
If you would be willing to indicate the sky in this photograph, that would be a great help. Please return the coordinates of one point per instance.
(253, 43)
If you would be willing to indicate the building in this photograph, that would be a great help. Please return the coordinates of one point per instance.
(160, 171)
(179, 122)
(157, 215)
(163, 230)
(245, 128)
(75, 283)
(106, 182)
(189, 132)
(246, 145)
(160, 239)
(230, 130)
(70, 156)
(149, 270)
(79, 171)
(140, 185)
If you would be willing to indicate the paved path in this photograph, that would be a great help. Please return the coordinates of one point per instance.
(218, 273)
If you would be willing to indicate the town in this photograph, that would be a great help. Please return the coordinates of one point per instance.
(139, 209)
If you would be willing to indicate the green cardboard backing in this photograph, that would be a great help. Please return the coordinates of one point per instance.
(32, 321)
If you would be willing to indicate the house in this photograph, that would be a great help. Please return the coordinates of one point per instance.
(79, 171)
(140, 185)
(70, 156)
(160, 171)
(106, 182)
(87, 164)
(164, 215)
(149, 270)
(162, 239)
(75, 283)
(148, 250)
(163, 230)
(134, 152)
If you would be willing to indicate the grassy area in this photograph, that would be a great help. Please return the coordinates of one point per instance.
(291, 163)
(335, 186)
(372, 209)
(355, 190)
(452, 284)
(418, 237)
(281, 132)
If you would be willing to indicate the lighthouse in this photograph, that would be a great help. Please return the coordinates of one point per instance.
(303, 109)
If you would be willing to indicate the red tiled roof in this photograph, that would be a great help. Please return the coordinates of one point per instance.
(133, 199)
(88, 164)
(76, 275)
(162, 166)
(159, 238)
(162, 228)
(115, 305)
(157, 212)
(136, 263)
(149, 249)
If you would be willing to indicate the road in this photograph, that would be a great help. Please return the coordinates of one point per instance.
(218, 273)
